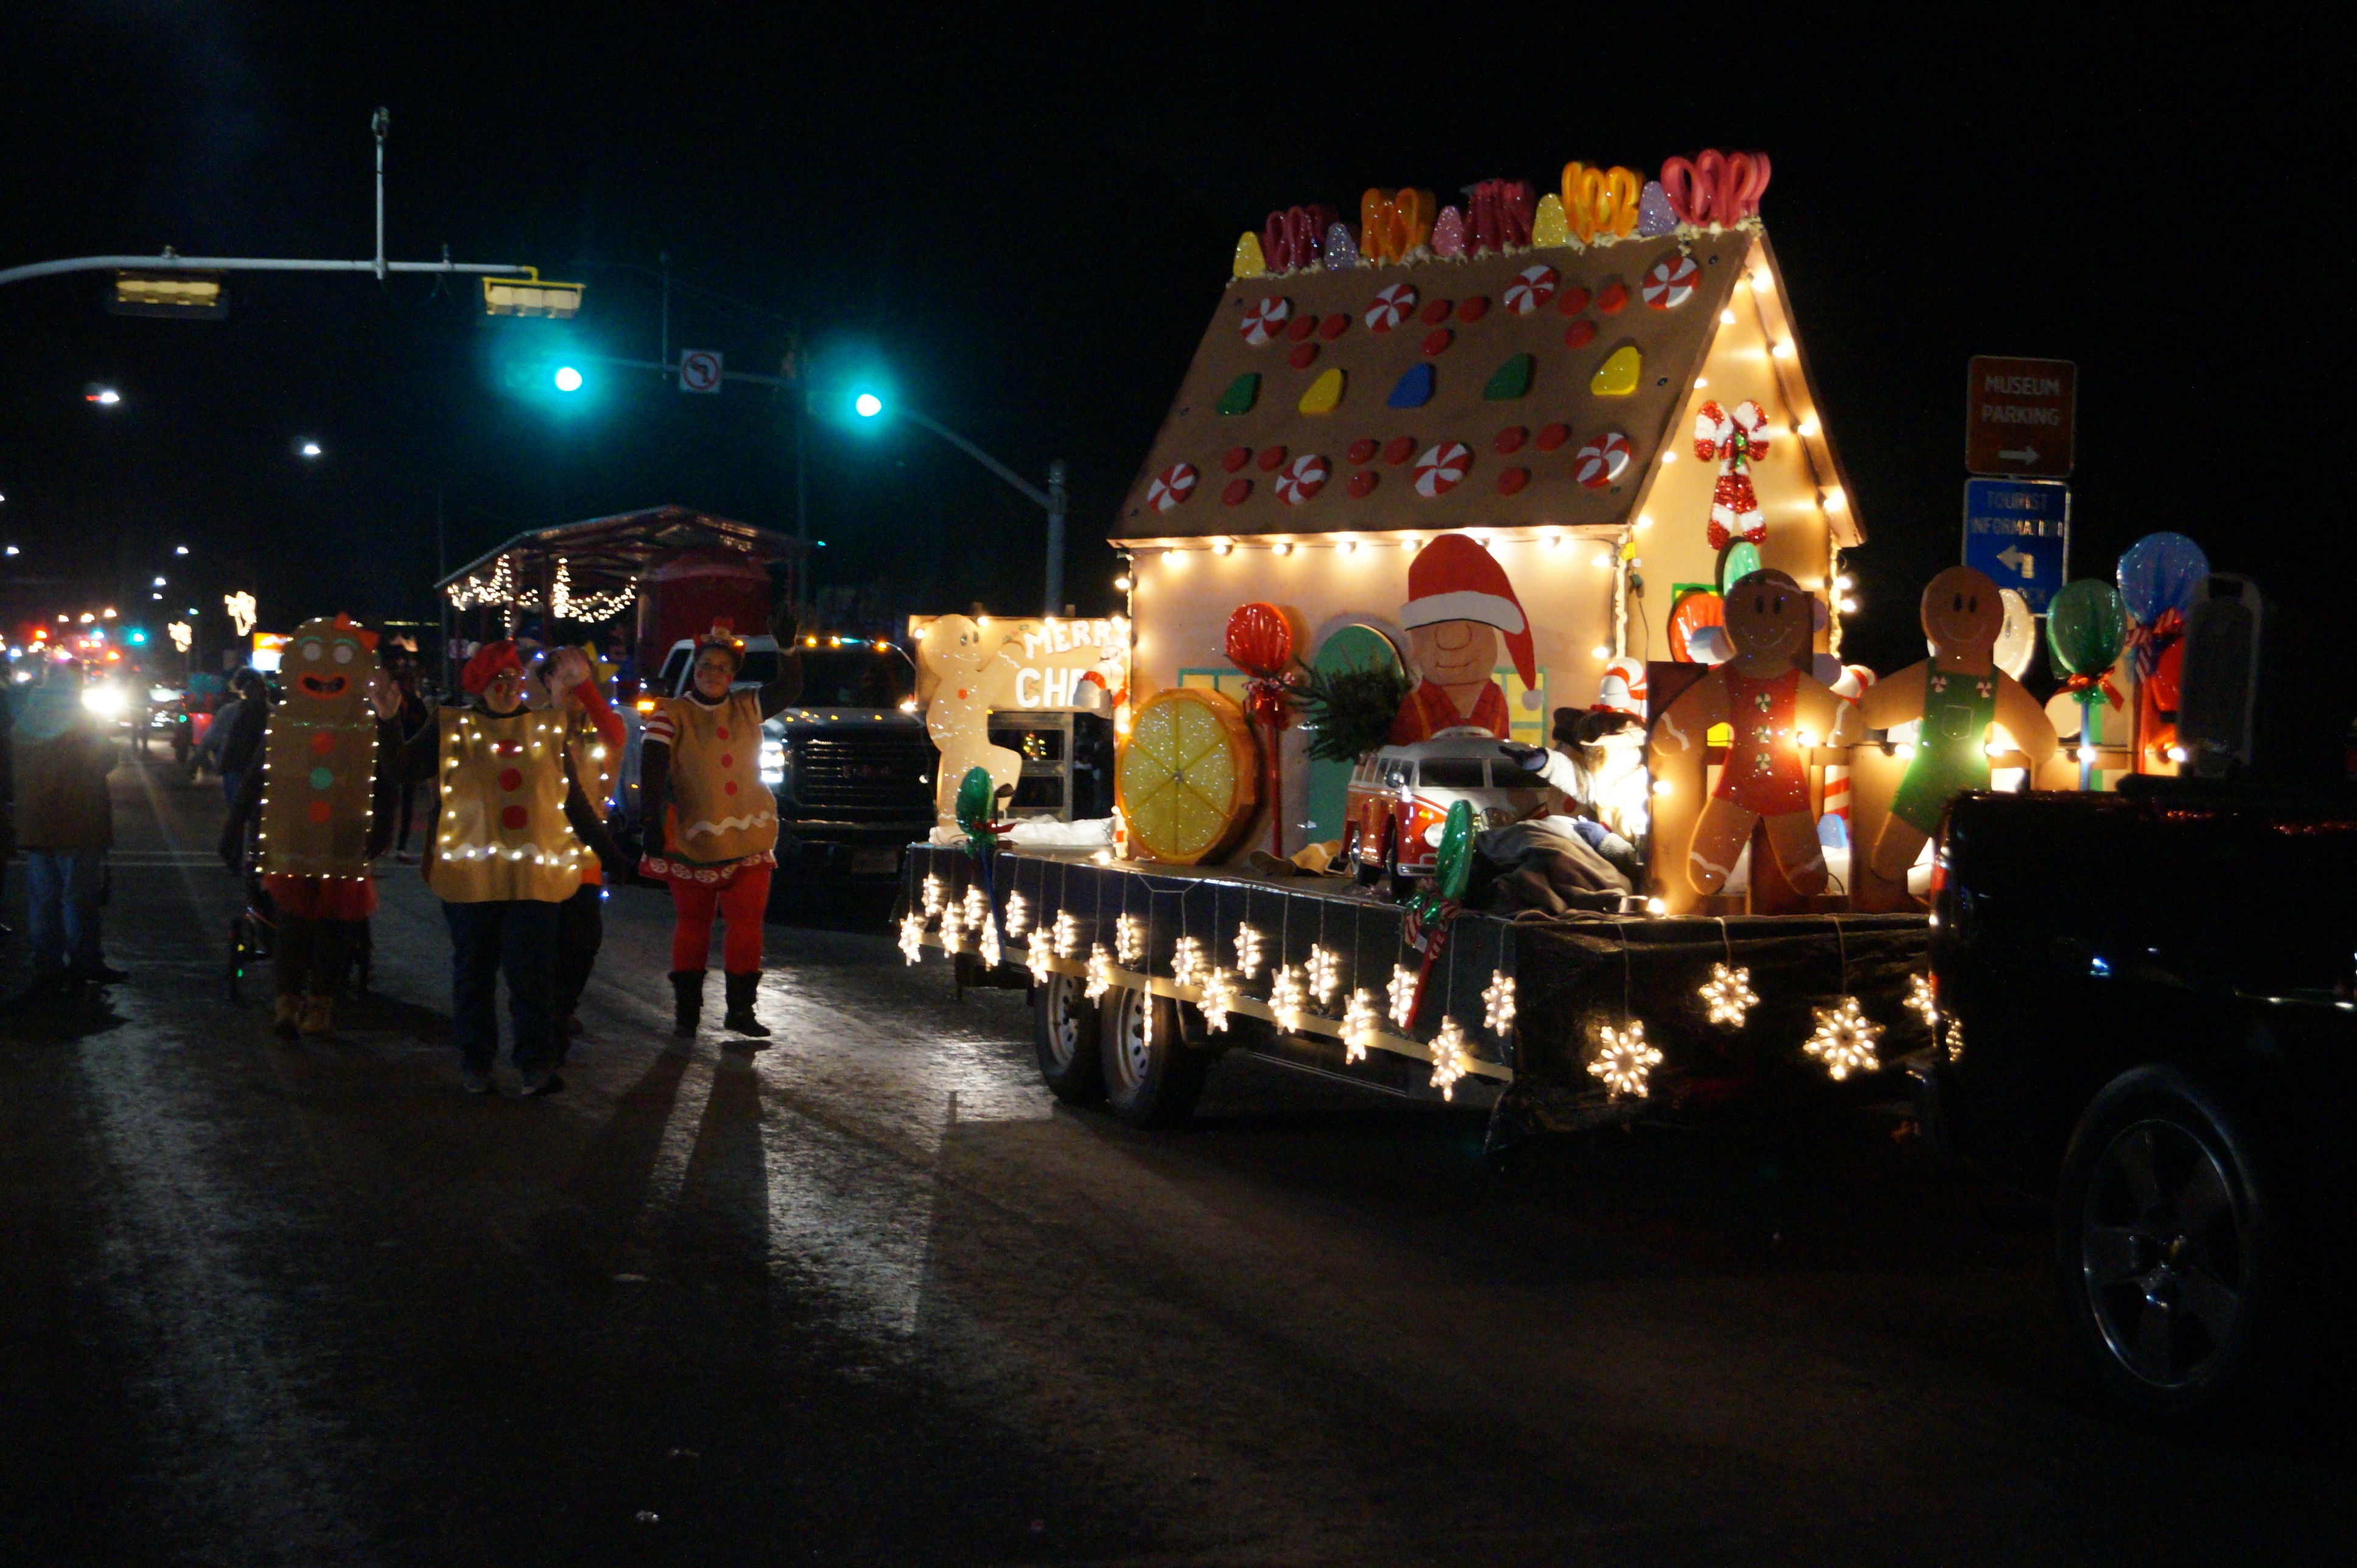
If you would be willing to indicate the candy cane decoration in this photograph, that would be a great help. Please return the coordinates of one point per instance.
(1734, 440)
(1442, 468)
(1303, 477)
(1715, 187)
(1293, 237)
(1392, 306)
(1602, 461)
(1531, 287)
(1172, 487)
(1601, 202)
(1502, 216)
(1671, 283)
(1265, 321)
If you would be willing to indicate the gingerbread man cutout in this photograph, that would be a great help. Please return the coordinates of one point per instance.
(1959, 693)
(1775, 709)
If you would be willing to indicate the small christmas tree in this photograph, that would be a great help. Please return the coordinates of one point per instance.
(1349, 713)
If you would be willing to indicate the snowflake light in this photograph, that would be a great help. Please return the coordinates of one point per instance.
(1325, 972)
(912, 935)
(1955, 1041)
(1219, 996)
(1358, 1025)
(1066, 935)
(1186, 961)
(1729, 995)
(1626, 1062)
(1498, 1003)
(932, 895)
(977, 907)
(1923, 999)
(1449, 1059)
(1100, 979)
(991, 952)
(1844, 1040)
(1019, 916)
(1402, 991)
(952, 929)
(1042, 966)
(1248, 945)
(1286, 997)
(1129, 938)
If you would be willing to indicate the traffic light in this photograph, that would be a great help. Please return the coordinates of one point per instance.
(866, 405)
(567, 379)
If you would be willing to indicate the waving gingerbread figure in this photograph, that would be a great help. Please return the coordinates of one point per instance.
(1959, 693)
(1773, 706)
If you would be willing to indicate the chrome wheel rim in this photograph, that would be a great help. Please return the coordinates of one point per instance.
(1063, 1021)
(2163, 1254)
(1133, 1052)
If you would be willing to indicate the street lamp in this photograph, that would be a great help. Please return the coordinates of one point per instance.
(179, 550)
(310, 448)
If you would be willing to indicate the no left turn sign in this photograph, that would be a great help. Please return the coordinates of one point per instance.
(699, 370)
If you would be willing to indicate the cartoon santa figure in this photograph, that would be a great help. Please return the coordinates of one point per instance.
(1458, 604)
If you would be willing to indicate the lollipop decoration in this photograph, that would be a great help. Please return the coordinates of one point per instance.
(2085, 628)
(2158, 577)
(1734, 440)
(1260, 643)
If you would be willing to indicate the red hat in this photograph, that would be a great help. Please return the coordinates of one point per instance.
(488, 661)
(1453, 578)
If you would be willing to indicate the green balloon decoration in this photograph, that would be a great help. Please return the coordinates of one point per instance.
(1456, 867)
(2086, 626)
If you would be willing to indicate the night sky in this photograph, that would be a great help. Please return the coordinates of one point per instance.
(1021, 225)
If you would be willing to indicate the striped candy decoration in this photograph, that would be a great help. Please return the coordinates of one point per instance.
(1303, 477)
(1671, 283)
(1602, 461)
(1265, 321)
(1392, 306)
(1531, 287)
(1442, 468)
(1172, 487)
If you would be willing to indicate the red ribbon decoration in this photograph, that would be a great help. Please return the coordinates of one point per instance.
(2150, 642)
(2078, 686)
(1261, 642)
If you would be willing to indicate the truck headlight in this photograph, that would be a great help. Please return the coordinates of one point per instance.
(773, 762)
(106, 702)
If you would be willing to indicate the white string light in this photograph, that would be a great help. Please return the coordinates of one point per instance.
(977, 907)
(952, 931)
(1846, 1039)
(1066, 935)
(1042, 966)
(1402, 991)
(1625, 1063)
(1923, 999)
(1449, 1059)
(991, 952)
(1325, 973)
(1129, 938)
(1218, 997)
(1248, 951)
(1019, 916)
(1186, 961)
(912, 934)
(1358, 1026)
(1286, 996)
(1498, 1003)
(932, 890)
(1099, 978)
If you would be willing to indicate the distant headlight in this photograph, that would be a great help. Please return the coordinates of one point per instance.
(773, 762)
(106, 702)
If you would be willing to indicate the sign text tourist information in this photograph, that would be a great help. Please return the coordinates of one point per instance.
(2019, 417)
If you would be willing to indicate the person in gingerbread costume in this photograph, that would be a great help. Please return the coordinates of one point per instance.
(712, 825)
(1459, 603)
(1774, 708)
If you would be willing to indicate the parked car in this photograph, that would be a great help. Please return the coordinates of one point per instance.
(1400, 795)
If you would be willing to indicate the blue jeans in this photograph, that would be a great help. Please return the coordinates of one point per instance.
(517, 937)
(61, 890)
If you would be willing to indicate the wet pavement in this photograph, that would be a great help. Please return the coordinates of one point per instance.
(871, 1296)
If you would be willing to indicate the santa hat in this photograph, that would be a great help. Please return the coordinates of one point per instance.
(488, 661)
(1453, 578)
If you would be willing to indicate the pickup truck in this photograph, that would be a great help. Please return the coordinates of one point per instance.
(2147, 1015)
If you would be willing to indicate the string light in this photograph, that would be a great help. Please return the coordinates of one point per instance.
(1358, 1026)
(1955, 1041)
(1402, 992)
(1286, 995)
(912, 935)
(1066, 935)
(1100, 977)
(990, 953)
(1019, 916)
(1248, 946)
(952, 931)
(1042, 966)
(1498, 1003)
(1625, 1063)
(1219, 996)
(1846, 1039)
(977, 907)
(1729, 995)
(1129, 938)
(1325, 974)
(1186, 961)
(932, 890)
(1449, 1059)
(1923, 999)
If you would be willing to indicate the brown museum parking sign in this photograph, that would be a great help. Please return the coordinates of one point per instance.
(2018, 417)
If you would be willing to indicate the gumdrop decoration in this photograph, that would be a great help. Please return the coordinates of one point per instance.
(1325, 393)
(1611, 297)
(1413, 389)
(1655, 216)
(1511, 380)
(1302, 356)
(1448, 234)
(1618, 374)
(1241, 393)
(1579, 334)
(1399, 449)
(1342, 251)
(1363, 484)
(1512, 481)
(1438, 340)
(1249, 262)
(1548, 226)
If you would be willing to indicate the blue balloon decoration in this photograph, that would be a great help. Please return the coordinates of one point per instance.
(2159, 573)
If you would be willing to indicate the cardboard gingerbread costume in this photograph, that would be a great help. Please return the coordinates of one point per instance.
(721, 815)
(502, 833)
(1459, 604)
(319, 758)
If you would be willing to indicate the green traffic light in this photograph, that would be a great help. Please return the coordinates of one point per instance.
(567, 379)
(867, 405)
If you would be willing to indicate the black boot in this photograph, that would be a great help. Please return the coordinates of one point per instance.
(687, 1001)
(740, 1016)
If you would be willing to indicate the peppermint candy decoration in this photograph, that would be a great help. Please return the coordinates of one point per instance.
(1392, 306)
(1602, 461)
(1265, 321)
(1172, 487)
(1671, 283)
(1303, 477)
(1531, 287)
(1442, 468)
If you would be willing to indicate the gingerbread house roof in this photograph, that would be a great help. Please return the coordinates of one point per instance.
(1532, 389)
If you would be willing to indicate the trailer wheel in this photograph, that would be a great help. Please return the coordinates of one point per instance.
(1064, 1028)
(2170, 1250)
(1152, 1077)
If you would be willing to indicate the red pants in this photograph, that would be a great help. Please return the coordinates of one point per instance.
(740, 901)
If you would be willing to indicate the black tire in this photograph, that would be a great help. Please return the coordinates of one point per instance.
(1064, 1029)
(2170, 1250)
(1152, 1077)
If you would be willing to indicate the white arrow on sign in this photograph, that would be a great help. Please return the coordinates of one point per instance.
(2024, 454)
(2014, 560)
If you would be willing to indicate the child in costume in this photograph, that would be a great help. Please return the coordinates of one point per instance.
(593, 740)
(511, 832)
(712, 823)
(323, 791)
